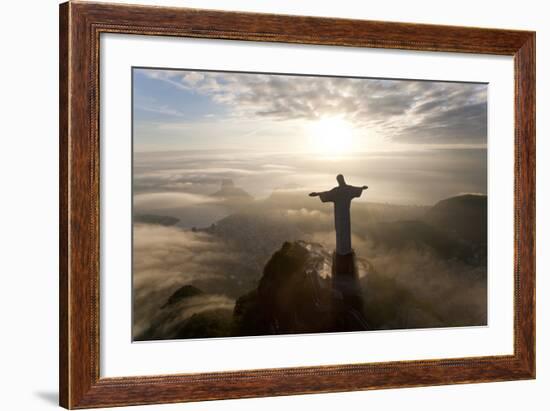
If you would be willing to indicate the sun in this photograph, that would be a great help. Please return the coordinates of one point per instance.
(331, 135)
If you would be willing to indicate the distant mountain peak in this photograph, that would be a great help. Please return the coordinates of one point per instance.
(461, 201)
(464, 216)
(229, 190)
(182, 293)
(227, 182)
(464, 198)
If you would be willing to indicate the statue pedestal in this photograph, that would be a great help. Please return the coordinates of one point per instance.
(347, 294)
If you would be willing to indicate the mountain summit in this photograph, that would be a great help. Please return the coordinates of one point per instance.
(298, 294)
(230, 191)
(464, 217)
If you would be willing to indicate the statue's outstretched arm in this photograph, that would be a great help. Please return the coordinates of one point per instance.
(317, 194)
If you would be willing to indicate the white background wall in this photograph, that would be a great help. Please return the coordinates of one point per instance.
(28, 204)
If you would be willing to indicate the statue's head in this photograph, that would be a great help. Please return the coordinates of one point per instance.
(340, 179)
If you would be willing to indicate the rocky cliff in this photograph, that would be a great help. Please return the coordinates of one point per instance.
(299, 293)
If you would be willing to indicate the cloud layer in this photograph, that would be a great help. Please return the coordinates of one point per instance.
(182, 179)
(227, 261)
(165, 258)
(403, 110)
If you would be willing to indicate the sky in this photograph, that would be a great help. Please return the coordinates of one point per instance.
(417, 141)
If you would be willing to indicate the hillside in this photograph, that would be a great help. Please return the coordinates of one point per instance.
(230, 191)
(464, 217)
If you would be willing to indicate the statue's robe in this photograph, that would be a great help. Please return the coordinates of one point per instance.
(341, 196)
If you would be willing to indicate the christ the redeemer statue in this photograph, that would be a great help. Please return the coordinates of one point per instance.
(341, 196)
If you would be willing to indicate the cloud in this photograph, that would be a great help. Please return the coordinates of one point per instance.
(193, 78)
(227, 261)
(453, 291)
(458, 116)
(167, 322)
(202, 172)
(164, 259)
(405, 177)
(404, 110)
(159, 201)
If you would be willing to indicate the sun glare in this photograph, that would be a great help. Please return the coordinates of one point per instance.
(331, 135)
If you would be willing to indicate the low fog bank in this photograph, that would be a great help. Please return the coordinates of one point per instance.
(171, 180)
(166, 258)
(420, 266)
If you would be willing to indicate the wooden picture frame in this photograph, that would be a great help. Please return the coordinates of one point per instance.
(80, 27)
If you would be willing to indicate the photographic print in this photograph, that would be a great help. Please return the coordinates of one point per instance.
(313, 195)
(269, 204)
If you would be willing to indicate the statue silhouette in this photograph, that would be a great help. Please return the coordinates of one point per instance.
(347, 304)
(341, 196)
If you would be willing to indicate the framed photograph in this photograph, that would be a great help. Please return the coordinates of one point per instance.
(259, 205)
